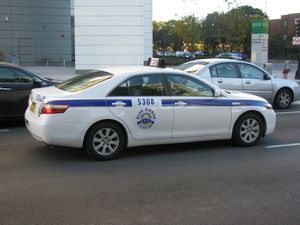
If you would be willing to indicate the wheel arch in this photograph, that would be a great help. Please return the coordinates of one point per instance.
(258, 114)
(108, 121)
(282, 88)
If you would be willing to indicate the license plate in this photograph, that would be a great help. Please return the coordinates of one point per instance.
(32, 107)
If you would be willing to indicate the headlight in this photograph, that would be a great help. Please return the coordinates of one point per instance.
(268, 106)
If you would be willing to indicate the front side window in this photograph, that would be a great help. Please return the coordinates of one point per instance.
(84, 81)
(226, 70)
(7, 76)
(11, 75)
(22, 77)
(141, 85)
(187, 86)
(250, 72)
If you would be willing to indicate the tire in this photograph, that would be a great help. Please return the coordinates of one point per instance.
(283, 99)
(104, 141)
(247, 130)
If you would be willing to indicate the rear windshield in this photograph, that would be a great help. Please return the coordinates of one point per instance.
(192, 67)
(84, 81)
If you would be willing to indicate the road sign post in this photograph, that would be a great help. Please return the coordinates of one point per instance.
(260, 42)
(296, 41)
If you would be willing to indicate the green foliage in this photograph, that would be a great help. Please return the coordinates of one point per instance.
(230, 30)
(173, 34)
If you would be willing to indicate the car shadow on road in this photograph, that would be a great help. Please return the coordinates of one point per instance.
(45, 152)
(178, 149)
(11, 123)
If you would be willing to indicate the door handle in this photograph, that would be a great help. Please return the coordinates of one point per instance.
(118, 103)
(248, 82)
(220, 81)
(180, 103)
(5, 89)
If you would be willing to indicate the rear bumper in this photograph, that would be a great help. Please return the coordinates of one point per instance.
(47, 130)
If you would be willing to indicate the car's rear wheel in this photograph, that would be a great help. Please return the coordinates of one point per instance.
(247, 130)
(104, 141)
(283, 99)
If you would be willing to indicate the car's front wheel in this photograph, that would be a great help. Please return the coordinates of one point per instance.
(247, 130)
(104, 141)
(283, 99)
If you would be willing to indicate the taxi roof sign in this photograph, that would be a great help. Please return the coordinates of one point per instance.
(156, 62)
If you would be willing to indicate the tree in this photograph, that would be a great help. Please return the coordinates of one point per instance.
(232, 30)
(240, 20)
(208, 34)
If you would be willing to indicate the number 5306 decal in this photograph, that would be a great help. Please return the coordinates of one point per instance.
(146, 101)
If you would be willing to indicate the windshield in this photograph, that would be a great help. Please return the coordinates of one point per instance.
(192, 67)
(84, 81)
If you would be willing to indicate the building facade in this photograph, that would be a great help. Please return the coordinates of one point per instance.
(284, 29)
(93, 33)
(35, 32)
(112, 32)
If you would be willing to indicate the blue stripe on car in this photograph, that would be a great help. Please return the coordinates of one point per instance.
(214, 102)
(165, 102)
(89, 102)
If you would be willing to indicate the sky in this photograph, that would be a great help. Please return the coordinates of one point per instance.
(164, 10)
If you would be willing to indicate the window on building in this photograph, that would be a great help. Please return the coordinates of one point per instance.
(284, 36)
(285, 24)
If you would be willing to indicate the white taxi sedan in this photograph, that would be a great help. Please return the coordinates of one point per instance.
(108, 110)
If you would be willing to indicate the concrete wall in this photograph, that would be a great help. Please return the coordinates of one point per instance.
(148, 37)
(112, 32)
(36, 30)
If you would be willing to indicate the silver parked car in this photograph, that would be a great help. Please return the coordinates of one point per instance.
(247, 77)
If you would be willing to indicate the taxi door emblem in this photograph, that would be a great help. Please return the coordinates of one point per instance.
(145, 118)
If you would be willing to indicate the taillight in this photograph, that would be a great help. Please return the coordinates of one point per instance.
(52, 109)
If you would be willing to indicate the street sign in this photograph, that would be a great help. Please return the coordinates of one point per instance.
(260, 41)
(296, 40)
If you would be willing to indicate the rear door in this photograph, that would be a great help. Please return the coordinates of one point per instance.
(226, 76)
(138, 103)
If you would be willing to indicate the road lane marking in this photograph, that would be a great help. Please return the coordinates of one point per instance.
(4, 130)
(286, 113)
(283, 146)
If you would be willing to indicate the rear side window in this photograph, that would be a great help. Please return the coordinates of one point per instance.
(141, 85)
(84, 81)
(225, 70)
(192, 67)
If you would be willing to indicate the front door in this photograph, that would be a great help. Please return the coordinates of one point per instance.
(15, 87)
(197, 113)
(254, 81)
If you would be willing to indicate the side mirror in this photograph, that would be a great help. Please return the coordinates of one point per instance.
(217, 92)
(37, 83)
(267, 77)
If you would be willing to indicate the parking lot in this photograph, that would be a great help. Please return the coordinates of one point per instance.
(199, 183)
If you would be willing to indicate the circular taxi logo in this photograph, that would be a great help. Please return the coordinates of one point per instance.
(145, 118)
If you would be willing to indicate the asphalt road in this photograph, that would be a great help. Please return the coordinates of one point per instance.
(197, 183)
